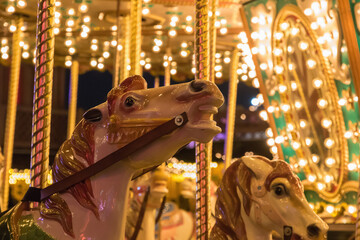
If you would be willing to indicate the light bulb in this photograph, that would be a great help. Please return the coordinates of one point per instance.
(317, 83)
(106, 54)
(311, 178)
(93, 63)
(315, 158)
(83, 8)
(10, 9)
(311, 63)
(295, 145)
(308, 142)
(147, 66)
(302, 162)
(270, 142)
(303, 45)
(68, 43)
(320, 186)
(322, 103)
(84, 34)
(352, 166)
(25, 55)
(328, 178)
(329, 142)
(302, 123)
(326, 123)
(330, 161)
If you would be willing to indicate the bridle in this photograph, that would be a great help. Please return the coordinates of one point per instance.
(37, 195)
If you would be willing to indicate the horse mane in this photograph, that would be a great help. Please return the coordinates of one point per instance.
(74, 155)
(228, 205)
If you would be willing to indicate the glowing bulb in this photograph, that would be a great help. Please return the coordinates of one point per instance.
(279, 69)
(147, 66)
(68, 43)
(84, 34)
(285, 107)
(290, 127)
(12, 28)
(188, 18)
(348, 134)
(94, 47)
(184, 53)
(293, 86)
(227, 60)
(329, 208)
(71, 12)
(326, 123)
(100, 66)
(278, 35)
(106, 54)
(273, 150)
(352, 166)
(308, 142)
(263, 66)
(269, 132)
(303, 45)
(302, 162)
(294, 31)
(351, 209)
(329, 161)
(342, 101)
(308, 11)
(188, 29)
(317, 83)
(270, 142)
(290, 49)
(156, 48)
(223, 30)
(302, 123)
(218, 74)
(277, 51)
(328, 178)
(174, 19)
(25, 55)
(282, 88)
(263, 115)
(145, 11)
(93, 63)
(173, 71)
(10, 9)
(83, 8)
(295, 145)
(56, 31)
(329, 142)
(322, 103)
(68, 63)
(72, 50)
(320, 186)
(315, 158)
(311, 178)
(311, 63)
(21, 3)
(172, 33)
(284, 26)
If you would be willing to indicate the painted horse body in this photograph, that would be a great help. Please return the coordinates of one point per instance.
(96, 208)
(258, 196)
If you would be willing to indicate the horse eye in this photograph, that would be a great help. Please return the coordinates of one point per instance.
(129, 101)
(279, 190)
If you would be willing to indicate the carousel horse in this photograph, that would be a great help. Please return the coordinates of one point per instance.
(96, 207)
(258, 196)
(160, 220)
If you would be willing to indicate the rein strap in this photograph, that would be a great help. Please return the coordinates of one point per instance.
(37, 195)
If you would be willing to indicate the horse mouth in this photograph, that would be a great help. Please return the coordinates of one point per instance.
(201, 116)
(297, 237)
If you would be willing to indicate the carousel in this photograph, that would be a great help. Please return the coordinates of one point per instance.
(179, 119)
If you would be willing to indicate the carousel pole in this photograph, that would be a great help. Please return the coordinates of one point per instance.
(11, 110)
(125, 53)
(73, 97)
(203, 156)
(41, 121)
(117, 52)
(156, 82)
(135, 44)
(231, 109)
(167, 76)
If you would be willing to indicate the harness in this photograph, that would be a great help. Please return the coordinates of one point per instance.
(37, 195)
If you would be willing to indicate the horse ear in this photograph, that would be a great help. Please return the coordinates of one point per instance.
(93, 115)
(135, 82)
(258, 165)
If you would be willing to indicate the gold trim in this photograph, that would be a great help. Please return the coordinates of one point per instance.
(291, 11)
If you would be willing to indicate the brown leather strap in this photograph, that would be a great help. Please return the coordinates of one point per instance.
(141, 215)
(37, 195)
(161, 209)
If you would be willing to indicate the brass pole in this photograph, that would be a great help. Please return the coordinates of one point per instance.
(11, 110)
(231, 108)
(135, 44)
(73, 91)
(156, 82)
(203, 152)
(125, 53)
(117, 52)
(41, 122)
(167, 77)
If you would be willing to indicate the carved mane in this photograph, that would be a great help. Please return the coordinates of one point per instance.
(229, 223)
(77, 153)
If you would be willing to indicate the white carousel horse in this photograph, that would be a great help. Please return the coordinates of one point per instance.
(96, 208)
(258, 196)
(174, 224)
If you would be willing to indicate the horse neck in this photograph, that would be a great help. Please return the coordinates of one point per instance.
(111, 189)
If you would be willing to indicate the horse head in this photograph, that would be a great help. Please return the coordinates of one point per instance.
(132, 110)
(257, 196)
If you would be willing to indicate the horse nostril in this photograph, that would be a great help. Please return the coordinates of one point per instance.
(197, 86)
(313, 230)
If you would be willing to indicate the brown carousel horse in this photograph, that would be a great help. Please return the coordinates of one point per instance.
(258, 196)
(95, 208)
